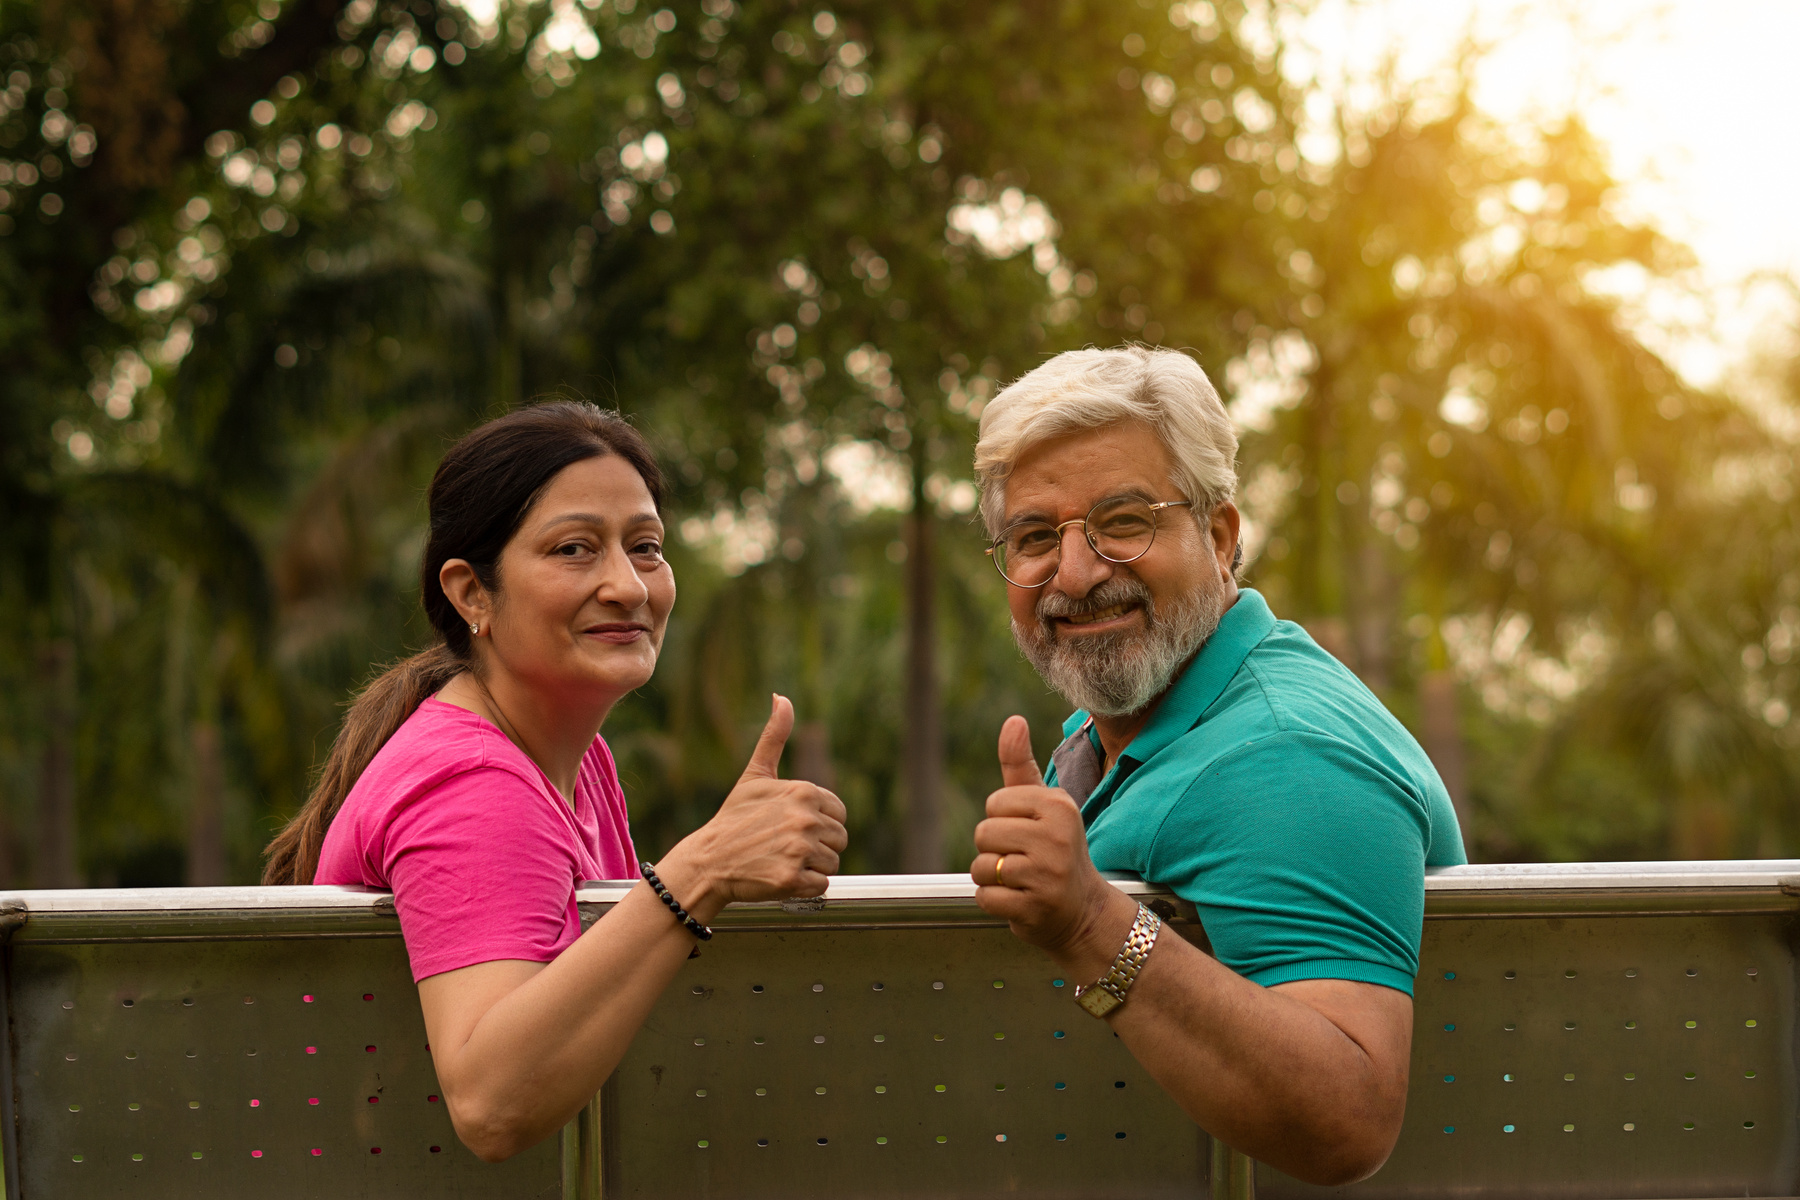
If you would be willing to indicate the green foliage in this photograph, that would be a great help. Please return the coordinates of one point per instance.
(259, 264)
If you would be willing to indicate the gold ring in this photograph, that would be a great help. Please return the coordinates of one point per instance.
(998, 863)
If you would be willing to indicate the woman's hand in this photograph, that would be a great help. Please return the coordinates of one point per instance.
(772, 838)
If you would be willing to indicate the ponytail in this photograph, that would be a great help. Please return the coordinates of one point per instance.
(381, 708)
(479, 496)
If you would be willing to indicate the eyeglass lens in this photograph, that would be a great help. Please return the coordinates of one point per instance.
(1118, 530)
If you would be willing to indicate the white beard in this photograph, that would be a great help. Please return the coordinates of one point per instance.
(1117, 674)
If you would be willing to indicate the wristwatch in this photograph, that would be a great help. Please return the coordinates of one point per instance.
(1103, 995)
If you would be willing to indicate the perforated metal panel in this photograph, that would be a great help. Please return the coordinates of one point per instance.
(915, 1062)
(1527, 973)
(241, 1067)
(1594, 1055)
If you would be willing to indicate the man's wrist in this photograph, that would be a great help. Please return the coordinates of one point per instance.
(1089, 955)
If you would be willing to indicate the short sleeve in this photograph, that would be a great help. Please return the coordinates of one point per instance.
(481, 869)
(1305, 859)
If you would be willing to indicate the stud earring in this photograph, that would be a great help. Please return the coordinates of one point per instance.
(474, 629)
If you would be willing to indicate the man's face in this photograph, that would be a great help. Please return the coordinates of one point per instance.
(1111, 636)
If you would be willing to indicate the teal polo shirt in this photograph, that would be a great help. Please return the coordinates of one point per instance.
(1275, 792)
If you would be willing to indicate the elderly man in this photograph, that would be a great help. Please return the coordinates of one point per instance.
(1215, 750)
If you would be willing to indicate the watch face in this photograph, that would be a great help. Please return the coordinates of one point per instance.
(1097, 1000)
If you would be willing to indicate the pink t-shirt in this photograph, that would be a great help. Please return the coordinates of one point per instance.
(482, 853)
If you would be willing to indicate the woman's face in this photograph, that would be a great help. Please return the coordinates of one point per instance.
(584, 591)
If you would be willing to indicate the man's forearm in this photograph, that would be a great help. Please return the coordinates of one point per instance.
(1263, 1069)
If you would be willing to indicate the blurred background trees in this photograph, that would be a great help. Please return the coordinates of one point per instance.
(260, 263)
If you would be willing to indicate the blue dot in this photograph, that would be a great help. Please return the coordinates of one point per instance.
(1506, 1129)
(1060, 1086)
(1120, 1135)
(1058, 1033)
(1056, 983)
(1449, 1129)
(1450, 1027)
(1449, 974)
(1062, 1137)
(1449, 1079)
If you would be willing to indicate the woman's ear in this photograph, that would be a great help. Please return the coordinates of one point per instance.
(463, 589)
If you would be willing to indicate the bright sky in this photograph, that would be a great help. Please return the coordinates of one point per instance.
(1699, 101)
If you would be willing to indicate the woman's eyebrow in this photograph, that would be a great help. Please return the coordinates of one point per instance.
(630, 522)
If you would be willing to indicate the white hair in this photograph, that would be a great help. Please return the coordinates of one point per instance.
(1091, 389)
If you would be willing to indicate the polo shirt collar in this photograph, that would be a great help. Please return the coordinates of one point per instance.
(1247, 622)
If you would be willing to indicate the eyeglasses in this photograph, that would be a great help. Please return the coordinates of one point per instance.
(1119, 530)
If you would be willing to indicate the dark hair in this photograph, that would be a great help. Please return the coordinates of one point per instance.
(480, 494)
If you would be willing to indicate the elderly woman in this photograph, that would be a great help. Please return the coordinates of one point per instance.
(472, 780)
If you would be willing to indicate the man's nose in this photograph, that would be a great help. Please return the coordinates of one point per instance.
(1081, 569)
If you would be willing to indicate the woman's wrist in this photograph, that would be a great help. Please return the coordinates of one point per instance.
(689, 882)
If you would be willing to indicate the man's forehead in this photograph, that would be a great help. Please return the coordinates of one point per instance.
(1077, 471)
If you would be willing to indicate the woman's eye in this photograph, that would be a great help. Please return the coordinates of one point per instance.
(648, 550)
(570, 549)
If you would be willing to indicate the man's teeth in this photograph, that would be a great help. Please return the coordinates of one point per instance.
(1105, 614)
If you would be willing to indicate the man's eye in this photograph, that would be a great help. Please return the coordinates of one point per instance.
(1033, 541)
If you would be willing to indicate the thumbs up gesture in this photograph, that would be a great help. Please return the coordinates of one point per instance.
(771, 839)
(1032, 865)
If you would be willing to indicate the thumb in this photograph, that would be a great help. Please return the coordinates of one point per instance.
(765, 760)
(1017, 767)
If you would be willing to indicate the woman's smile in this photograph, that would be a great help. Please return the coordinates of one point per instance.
(617, 632)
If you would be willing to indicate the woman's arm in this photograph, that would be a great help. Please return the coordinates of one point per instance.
(520, 1046)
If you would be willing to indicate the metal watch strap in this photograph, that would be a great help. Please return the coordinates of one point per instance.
(1132, 955)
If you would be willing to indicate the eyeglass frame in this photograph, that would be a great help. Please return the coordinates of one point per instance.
(1086, 536)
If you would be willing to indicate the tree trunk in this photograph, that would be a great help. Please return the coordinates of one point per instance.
(56, 862)
(206, 809)
(1440, 733)
(922, 844)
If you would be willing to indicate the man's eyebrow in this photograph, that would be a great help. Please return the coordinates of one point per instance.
(631, 522)
(1130, 493)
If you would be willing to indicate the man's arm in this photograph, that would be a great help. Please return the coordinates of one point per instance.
(1309, 1077)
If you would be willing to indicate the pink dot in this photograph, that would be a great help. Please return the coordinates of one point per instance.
(317, 1152)
(374, 1149)
(368, 995)
(306, 999)
(312, 1100)
(374, 1099)
(436, 1149)
(256, 1154)
(312, 1049)
(368, 1049)
(431, 1099)
(256, 1104)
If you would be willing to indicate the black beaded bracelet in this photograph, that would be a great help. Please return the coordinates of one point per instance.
(681, 914)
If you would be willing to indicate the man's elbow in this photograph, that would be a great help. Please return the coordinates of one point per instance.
(1346, 1156)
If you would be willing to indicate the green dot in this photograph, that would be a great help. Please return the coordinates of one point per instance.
(942, 1139)
(881, 1141)
(940, 1087)
(999, 983)
(702, 1143)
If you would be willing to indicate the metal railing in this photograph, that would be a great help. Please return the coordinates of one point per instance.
(1584, 1030)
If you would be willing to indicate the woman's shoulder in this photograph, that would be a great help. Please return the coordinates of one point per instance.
(434, 746)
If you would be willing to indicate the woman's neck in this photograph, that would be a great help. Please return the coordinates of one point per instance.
(554, 731)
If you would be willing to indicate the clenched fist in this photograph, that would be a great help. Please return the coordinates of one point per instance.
(771, 839)
(1033, 866)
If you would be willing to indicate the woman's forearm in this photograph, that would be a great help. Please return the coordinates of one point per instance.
(520, 1047)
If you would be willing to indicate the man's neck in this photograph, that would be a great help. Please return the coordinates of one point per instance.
(1116, 733)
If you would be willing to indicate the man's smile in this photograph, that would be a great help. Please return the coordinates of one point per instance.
(1101, 619)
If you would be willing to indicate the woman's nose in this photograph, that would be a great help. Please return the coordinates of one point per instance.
(621, 583)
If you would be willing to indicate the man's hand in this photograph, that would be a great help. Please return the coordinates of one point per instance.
(1046, 887)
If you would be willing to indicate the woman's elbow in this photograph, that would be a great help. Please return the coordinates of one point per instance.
(491, 1132)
